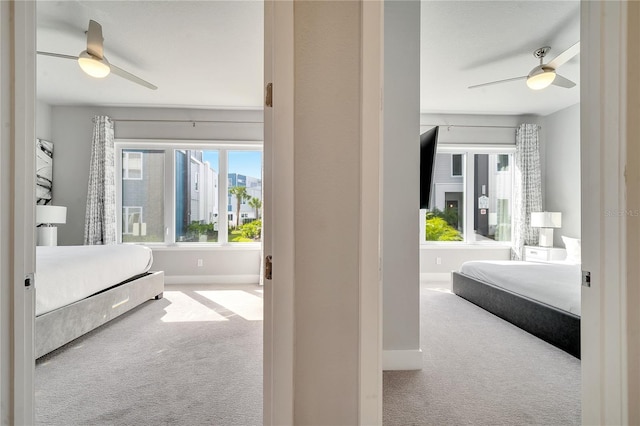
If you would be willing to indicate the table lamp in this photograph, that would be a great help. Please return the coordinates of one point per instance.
(46, 217)
(546, 221)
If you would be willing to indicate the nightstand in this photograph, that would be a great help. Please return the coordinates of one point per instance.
(543, 254)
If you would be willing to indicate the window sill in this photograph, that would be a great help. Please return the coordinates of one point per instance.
(203, 246)
(461, 245)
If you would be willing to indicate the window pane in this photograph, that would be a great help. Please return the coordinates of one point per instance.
(492, 197)
(446, 217)
(131, 165)
(142, 196)
(244, 201)
(456, 165)
(197, 204)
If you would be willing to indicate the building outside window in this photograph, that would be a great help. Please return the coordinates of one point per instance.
(132, 165)
(181, 196)
(142, 193)
(471, 197)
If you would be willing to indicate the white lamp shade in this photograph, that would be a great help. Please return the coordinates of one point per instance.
(546, 219)
(51, 214)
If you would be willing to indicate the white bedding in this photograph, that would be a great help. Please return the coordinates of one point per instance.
(554, 283)
(66, 274)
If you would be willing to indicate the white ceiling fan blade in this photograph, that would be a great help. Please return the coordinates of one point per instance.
(127, 75)
(564, 56)
(95, 39)
(57, 55)
(563, 82)
(498, 82)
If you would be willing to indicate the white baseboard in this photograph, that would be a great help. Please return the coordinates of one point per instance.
(435, 276)
(410, 359)
(212, 279)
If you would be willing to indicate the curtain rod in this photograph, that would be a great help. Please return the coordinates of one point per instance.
(470, 125)
(184, 121)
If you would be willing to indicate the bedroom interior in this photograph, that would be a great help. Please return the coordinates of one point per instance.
(67, 121)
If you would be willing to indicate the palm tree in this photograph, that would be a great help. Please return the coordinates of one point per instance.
(240, 192)
(256, 203)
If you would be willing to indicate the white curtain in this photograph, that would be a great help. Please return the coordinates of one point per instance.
(527, 187)
(100, 218)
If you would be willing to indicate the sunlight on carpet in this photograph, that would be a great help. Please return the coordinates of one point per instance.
(439, 289)
(242, 303)
(185, 309)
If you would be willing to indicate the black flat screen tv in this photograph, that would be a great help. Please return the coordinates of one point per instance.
(428, 142)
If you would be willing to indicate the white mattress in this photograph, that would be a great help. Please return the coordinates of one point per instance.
(554, 283)
(66, 274)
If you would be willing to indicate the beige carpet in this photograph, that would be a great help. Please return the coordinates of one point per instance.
(481, 370)
(195, 358)
(192, 358)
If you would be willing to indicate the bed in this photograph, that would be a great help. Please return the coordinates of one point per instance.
(79, 288)
(542, 298)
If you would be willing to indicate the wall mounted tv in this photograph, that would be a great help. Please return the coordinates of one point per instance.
(428, 143)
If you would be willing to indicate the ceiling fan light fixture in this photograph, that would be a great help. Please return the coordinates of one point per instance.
(94, 66)
(540, 78)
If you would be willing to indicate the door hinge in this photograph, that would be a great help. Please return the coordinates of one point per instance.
(268, 99)
(268, 268)
(586, 278)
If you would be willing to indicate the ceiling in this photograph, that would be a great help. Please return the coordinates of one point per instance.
(209, 54)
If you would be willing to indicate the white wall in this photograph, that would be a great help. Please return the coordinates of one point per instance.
(44, 125)
(327, 81)
(71, 134)
(442, 258)
(401, 184)
(561, 142)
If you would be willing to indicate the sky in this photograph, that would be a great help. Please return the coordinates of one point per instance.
(247, 163)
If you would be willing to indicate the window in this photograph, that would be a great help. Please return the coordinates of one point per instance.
(445, 219)
(245, 195)
(503, 162)
(196, 196)
(132, 165)
(183, 190)
(143, 194)
(132, 222)
(456, 165)
(472, 196)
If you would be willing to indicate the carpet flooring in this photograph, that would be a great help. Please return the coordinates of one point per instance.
(191, 358)
(480, 370)
(195, 358)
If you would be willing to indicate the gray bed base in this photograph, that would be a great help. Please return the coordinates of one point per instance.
(57, 328)
(557, 327)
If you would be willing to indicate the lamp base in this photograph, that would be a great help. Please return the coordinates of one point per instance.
(47, 236)
(545, 238)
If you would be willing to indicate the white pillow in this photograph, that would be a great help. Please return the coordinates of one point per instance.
(574, 249)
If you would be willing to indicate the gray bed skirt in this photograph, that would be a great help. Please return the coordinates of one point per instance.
(557, 327)
(57, 328)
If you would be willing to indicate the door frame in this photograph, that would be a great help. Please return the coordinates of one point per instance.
(278, 214)
(17, 213)
(609, 163)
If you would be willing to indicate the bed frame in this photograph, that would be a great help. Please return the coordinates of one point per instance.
(560, 328)
(57, 328)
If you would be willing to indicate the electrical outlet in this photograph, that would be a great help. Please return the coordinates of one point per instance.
(438, 261)
(200, 263)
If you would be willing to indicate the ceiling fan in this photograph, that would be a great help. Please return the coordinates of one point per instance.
(544, 74)
(93, 62)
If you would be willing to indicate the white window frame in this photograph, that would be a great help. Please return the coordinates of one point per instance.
(125, 174)
(468, 234)
(223, 147)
